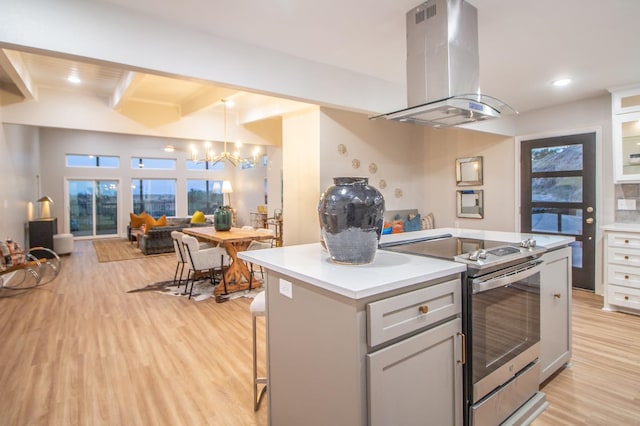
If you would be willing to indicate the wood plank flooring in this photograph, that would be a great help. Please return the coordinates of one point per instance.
(83, 351)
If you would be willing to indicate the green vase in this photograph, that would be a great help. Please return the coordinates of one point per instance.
(222, 219)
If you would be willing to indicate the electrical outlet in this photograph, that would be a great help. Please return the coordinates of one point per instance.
(626, 204)
(286, 288)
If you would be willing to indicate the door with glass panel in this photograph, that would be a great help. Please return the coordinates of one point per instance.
(93, 207)
(558, 196)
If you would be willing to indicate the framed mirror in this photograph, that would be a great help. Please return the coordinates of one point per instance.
(469, 171)
(470, 203)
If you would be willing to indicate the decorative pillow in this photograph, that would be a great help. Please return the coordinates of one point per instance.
(397, 226)
(162, 220)
(198, 217)
(12, 254)
(386, 228)
(412, 223)
(428, 222)
(136, 220)
(150, 222)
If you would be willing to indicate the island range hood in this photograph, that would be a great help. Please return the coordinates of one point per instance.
(443, 78)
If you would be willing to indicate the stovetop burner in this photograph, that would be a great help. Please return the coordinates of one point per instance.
(479, 255)
(503, 251)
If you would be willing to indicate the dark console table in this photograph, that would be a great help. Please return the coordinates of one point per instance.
(41, 232)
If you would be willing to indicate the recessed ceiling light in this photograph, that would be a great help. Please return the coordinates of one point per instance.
(169, 148)
(561, 82)
(74, 79)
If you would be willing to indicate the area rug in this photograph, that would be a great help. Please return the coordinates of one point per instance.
(114, 249)
(202, 290)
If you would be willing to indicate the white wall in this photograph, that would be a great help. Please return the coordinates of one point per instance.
(395, 150)
(441, 149)
(19, 163)
(301, 176)
(56, 143)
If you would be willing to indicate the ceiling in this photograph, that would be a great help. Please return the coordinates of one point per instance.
(524, 46)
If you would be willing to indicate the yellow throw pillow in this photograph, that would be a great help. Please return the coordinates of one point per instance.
(150, 222)
(162, 220)
(136, 220)
(198, 217)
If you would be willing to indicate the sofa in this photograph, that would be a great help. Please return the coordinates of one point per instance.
(158, 238)
(397, 221)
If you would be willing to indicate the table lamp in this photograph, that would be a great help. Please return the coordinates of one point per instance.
(45, 210)
(227, 189)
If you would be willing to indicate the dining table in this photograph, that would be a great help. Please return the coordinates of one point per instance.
(237, 276)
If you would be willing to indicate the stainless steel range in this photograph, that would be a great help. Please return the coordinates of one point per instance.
(501, 322)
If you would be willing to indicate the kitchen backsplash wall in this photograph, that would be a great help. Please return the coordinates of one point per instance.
(627, 209)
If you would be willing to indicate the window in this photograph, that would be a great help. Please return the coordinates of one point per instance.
(154, 196)
(93, 207)
(153, 163)
(105, 161)
(204, 165)
(204, 195)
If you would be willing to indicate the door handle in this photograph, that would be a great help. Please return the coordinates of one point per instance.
(589, 221)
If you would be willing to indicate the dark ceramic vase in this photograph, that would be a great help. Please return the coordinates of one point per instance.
(222, 219)
(350, 213)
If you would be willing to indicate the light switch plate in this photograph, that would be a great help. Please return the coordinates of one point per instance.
(624, 204)
(286, 288)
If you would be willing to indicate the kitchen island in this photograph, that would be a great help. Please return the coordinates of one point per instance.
(364, 344)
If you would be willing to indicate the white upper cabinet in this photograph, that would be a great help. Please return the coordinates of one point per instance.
(625, 124)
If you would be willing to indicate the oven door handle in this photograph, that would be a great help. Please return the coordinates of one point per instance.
(504, 278)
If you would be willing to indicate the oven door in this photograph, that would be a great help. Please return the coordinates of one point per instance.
(505, 325)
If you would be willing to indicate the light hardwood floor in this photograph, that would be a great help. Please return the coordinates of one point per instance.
(83, 351)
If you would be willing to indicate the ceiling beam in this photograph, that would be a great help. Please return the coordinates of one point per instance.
(12, 64)
(127, 84)
(205, 98)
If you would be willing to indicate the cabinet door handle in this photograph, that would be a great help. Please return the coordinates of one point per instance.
(463, 341)
(626, 258)
(626, 298)
(626, 277)
(626, 241)
(423, 309)
(556, 295)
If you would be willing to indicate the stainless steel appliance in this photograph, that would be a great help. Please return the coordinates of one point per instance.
(501, 322)
(443, 67)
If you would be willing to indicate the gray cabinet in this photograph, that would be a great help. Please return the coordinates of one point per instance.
(418, 380)
(324, 370)
(555, 311)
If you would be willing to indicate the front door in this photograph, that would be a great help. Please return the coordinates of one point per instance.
(558, 196)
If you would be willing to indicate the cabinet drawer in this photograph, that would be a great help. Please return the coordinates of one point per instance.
(399, 315)
(623, 296)
(615, 239)
(623, 275)
(623, 256)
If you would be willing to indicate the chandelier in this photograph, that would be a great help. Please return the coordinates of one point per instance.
(209, 156)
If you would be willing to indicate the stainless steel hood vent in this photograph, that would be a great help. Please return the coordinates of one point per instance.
(443, 79)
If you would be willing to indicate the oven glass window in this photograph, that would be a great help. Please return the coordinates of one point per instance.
(506, 322)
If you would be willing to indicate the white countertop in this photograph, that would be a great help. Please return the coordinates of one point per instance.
(622, 227)
(389, 270)
(547, 241)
